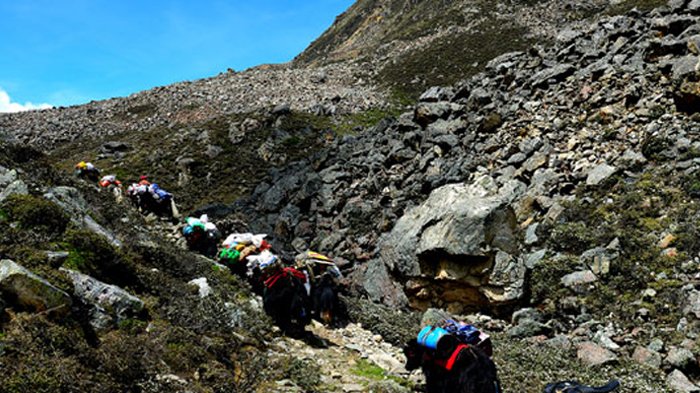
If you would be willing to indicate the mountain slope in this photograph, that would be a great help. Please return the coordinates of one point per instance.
(417, 44)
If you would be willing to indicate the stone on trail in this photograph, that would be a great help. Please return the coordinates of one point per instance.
(593, 355)
(599, 174)
(677, 381)
(646, 356)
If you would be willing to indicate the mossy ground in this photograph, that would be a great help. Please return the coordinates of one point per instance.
(452, 58)
(638, 211)
(237, 168)
(215, 343)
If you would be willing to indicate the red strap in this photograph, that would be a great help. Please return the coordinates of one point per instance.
(272, 280)
(449, 363)
(296, 273)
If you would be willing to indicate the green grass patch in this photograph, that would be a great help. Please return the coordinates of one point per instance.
(33, 212)
(452, 58)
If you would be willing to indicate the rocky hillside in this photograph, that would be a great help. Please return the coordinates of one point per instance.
(552, 199)
(562, 178)
(334, 89)
(417, 44)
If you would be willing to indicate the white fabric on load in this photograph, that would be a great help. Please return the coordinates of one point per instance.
(244, 238)
(263, 259)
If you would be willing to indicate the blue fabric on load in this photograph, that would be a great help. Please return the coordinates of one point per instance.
(187, 230)
(466, 333)
(429, 336)
(162, 194)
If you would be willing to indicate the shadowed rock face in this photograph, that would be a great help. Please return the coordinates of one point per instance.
(459, 246)
(31, 291)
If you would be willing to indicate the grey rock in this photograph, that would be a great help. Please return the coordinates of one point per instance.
(593, 355)
(281, 109)
(236, 134)
(526, 313)
(645, 356)
(516, 158)
(604, 340)
(529, 328)
(17, 187)
(538, 160)
(529, 145)
(579, 279)
(680, 358)
(694, 44)
(375, 280)
(687, 66)
(469, 228)
(677, 5)
(115, 146)
(386, 386)
(213, 151)
(56, 257)
(552, 75)
(434, 316)
(531, 234)
(109, 303)
(24, 288)
(691, 303)
(631, 159)
(436, 93)
(656, 345)
(694, 6)
(90, 224)
(560, 341)
(73, 203)
(677, 381)
(599, 174)
(7, 176)
(427, 113)
(533, 259)
(70, 200)
(599, 259)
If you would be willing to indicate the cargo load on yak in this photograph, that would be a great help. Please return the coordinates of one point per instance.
(201, 235)
(316, 265)
(454, 357)
(87, 170)
(238, 247)
(322, 285)
(111, 183)
(150, 198)
(110, 180)
(285, 299)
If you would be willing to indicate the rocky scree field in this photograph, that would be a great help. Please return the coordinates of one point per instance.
(570, 170)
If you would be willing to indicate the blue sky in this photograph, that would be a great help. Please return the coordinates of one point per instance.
(66, 52)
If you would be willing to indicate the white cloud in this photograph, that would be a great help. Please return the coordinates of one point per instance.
(7, 106)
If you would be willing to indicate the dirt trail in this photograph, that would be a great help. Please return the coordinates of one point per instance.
(350, 359)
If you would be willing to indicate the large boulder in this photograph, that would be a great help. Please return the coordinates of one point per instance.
(460, 246)
(25, 289)
(73, 203)
(10, 184)
(108, 304)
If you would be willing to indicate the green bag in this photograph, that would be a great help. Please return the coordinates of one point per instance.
(229, 255)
